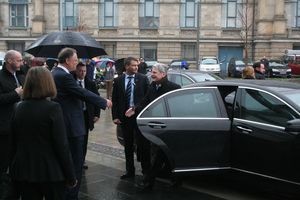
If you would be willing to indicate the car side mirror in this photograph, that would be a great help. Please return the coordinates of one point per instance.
(293, 127)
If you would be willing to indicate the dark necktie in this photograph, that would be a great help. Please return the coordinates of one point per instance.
(128, 90)
(83, 103)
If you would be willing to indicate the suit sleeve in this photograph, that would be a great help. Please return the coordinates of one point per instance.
(93, 88)
(115, 92)
(72, 87)
(60, 143)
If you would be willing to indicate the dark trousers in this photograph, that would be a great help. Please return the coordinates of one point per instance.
(132, 134)
(76, 148)
(4, 153)
(128, 127)
(40, 191)
(143, 151)
(86, 137)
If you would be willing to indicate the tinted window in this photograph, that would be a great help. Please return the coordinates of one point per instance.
(156, 110)
(193, 103)
(180, 79)
(265, 108)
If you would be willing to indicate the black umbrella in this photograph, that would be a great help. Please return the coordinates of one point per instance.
(50, 45)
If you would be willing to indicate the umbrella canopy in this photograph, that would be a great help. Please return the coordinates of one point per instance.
(50, 45)
(102, 62)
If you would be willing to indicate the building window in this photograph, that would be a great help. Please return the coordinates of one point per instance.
(18, 12)
(188, 51)
(108, 10)
(188, 13)
(232, 10)
(298, 14)
(16, 45)
(149, 14)
(148, 51)
(69, 14)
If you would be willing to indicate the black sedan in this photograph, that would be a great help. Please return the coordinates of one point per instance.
(247, 126)
(278, 69)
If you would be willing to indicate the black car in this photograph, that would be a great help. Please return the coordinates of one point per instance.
(278, 69)
(182, 78)
(235, 67)
(246, 126)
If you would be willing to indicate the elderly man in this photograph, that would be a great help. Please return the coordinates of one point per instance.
(11, 81)
(70, 96)
(159, 86)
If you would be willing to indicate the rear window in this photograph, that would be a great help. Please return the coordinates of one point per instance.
(209, 61)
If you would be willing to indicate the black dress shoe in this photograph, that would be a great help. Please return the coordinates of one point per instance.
(145, 185)
(85, 166)
(127, 176)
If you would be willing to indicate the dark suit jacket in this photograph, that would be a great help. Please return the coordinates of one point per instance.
(70, 96)
(118, 95)
(40, 146)
(8, 97)
(91, 109)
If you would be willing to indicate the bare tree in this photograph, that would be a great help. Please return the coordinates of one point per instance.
(245, 15)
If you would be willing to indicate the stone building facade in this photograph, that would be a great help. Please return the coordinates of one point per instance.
(160, 29)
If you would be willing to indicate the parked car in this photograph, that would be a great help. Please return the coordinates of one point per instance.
(178, 64)
(235, 67)
(2, 54)
(278, 69)
(244, 126)
(150, 64)
(210, 64)
(182, 78)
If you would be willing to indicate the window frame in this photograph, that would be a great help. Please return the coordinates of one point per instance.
(73, 17)
(16, 17)
(149, 21)
(184, 52)
(184, 14)
(103, 16)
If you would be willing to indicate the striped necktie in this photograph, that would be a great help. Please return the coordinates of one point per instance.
(129, 90)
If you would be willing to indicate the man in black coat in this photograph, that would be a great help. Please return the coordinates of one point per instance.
(91, 112)
(11, 81)
(159, 86)
(128, 90)
(259, 69)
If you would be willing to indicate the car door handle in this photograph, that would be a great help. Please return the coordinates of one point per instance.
(156, 125)
(244, 130)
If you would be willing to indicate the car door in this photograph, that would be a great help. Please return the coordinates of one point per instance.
(260, 144)
(191, 127)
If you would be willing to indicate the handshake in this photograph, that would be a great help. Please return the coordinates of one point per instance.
(108, 103)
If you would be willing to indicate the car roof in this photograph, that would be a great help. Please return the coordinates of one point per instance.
(267, 85)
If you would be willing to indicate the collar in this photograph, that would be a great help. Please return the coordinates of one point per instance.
(126, 75)
(62, 67)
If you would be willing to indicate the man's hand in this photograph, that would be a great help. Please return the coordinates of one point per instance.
(95, 119)
(109, 103)
(129, 112)
(117, 121)
(19, 90)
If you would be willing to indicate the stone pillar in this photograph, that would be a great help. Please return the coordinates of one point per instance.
(38, 21)
(264, 18)
(279, 26)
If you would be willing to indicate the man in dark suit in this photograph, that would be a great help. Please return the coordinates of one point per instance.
(11, 81)
(128, 90)
(90, 111)
(70, 96)
(159, 86)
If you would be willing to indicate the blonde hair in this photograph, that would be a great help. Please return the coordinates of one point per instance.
(248, 72)
(39, 84)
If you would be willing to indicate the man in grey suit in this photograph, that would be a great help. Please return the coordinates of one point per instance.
(70, 96)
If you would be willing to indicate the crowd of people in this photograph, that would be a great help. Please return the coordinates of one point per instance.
(48, 110)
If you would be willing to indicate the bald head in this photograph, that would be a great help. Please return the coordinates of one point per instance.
(13, 61)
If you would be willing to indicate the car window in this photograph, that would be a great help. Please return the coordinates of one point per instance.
(181, 80)
(209, 61)
(193, 103)
(262, 107)
(156, 110)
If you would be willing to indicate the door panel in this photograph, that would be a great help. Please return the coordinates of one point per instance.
(259, 141)
(195, 133)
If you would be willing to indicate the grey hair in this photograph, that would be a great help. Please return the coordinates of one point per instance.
(162, 68)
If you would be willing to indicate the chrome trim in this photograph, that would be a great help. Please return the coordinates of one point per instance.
(259, 123)
(247, 87)
(177, 118)
(173, 91)
(200, 169)
(266, 176)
